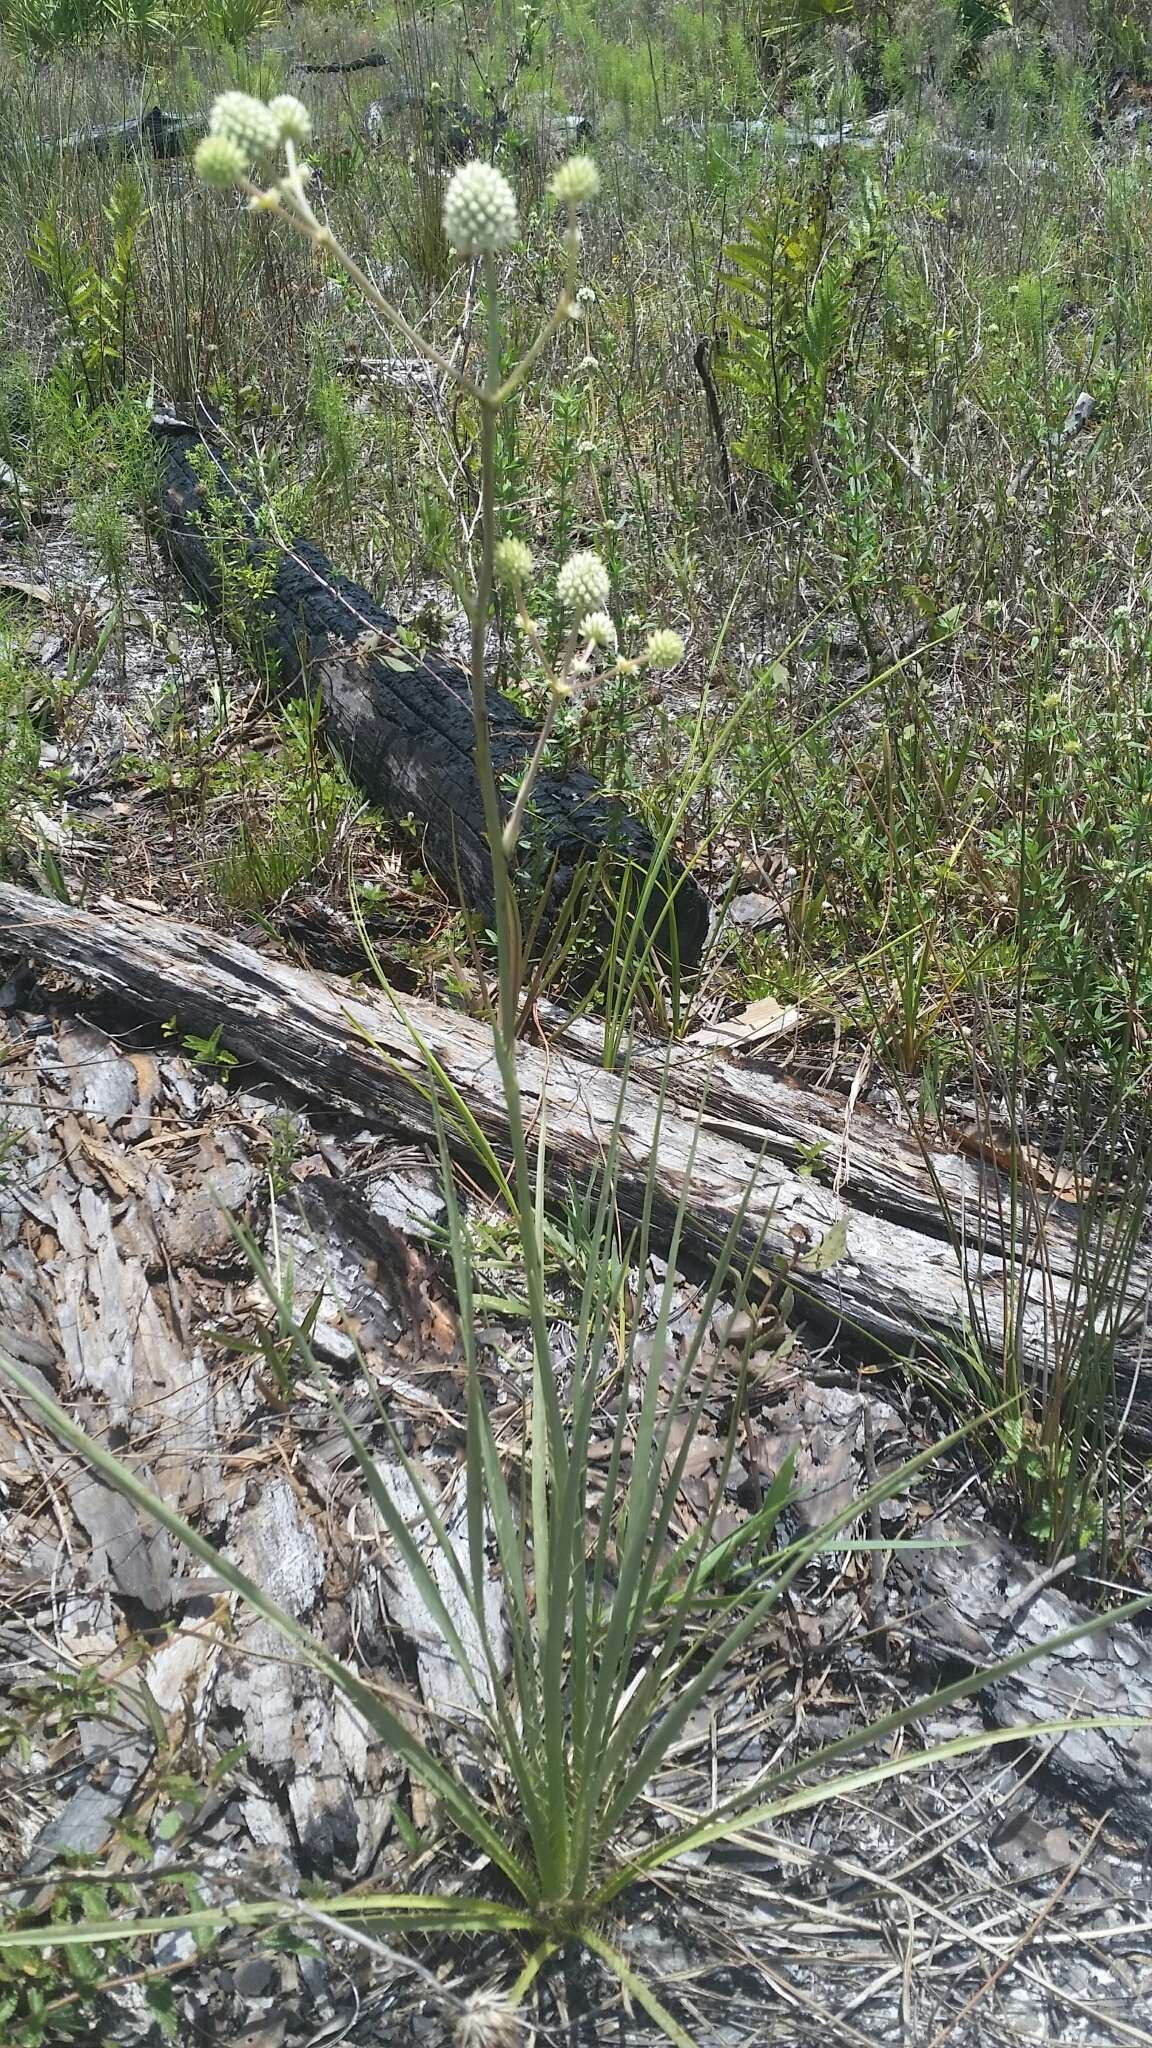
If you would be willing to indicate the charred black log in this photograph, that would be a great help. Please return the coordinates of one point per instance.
(401, 722)
(450, 131)
(377, 60)
(156, 133)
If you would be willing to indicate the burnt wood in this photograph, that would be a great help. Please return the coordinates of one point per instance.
(157, 132)
(402, 722)
(377, 60)
(978, 1600)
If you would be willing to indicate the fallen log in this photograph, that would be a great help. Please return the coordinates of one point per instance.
(402, 722)
(943, 1193)
(376, 60)
(157, 132)
(451, 131)
(858, 1270)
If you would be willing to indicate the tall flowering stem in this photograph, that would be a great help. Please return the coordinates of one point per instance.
(481, 221)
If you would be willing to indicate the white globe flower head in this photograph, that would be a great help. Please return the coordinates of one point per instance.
(583, 584)
(665, 648)
(246, 122)
(599, 629)
(487, 2019)
(292, 119)
(512, 560)
(576, 183)
(480, 213)
(220, 162)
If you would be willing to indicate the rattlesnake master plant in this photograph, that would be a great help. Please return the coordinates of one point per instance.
(617, 1630)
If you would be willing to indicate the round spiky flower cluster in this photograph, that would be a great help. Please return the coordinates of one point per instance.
(665, 648)
(582, 585)
(480, 211)
(247, 122)
(576, 183)
(293, 121)
(488, 2020)
(220, 162)
(512, 560)
(599, 629)
(242, 131)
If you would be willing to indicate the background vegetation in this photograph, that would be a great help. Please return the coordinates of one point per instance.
(852, 270)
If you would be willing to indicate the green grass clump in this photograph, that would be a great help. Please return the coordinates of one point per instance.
(19, 733)
(299, 804)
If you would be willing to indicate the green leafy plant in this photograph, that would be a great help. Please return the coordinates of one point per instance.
(94, 300)
(47, 1999)
(209, 1053)
(19, 738)
(297, 810)
(791, 289)
(41, 28)
(1056, 1439)
(232, 23)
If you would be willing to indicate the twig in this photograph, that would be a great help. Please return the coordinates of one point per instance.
(877, 1563)
(702, 358)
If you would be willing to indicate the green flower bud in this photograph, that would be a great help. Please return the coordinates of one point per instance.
(292, 119)
(576, 183)
(665, 648)
(582, 585)
(512, 561)
(220, 162)
(480, 210)
(246, 122)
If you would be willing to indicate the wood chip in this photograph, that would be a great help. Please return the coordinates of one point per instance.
(756, 1025)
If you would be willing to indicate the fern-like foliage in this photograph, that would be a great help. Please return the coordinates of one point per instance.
(792, 285)
(94, 301)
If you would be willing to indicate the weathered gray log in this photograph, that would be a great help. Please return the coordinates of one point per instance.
(402, 722)
(772, 129)
(943, 1193)
(156, 133)
(904, 1287)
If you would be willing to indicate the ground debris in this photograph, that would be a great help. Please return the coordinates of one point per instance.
(122, 1283)
(976, 1599)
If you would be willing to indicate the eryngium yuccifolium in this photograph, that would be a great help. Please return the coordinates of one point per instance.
(487, 2019)
(582, 585)
(598, 628)
(220, 161)
(512, 560)
(576, 182)
(480, 210)
(292, 119)
(247, 123)
(665, 648)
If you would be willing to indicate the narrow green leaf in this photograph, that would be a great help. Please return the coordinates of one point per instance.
(638, 1987)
